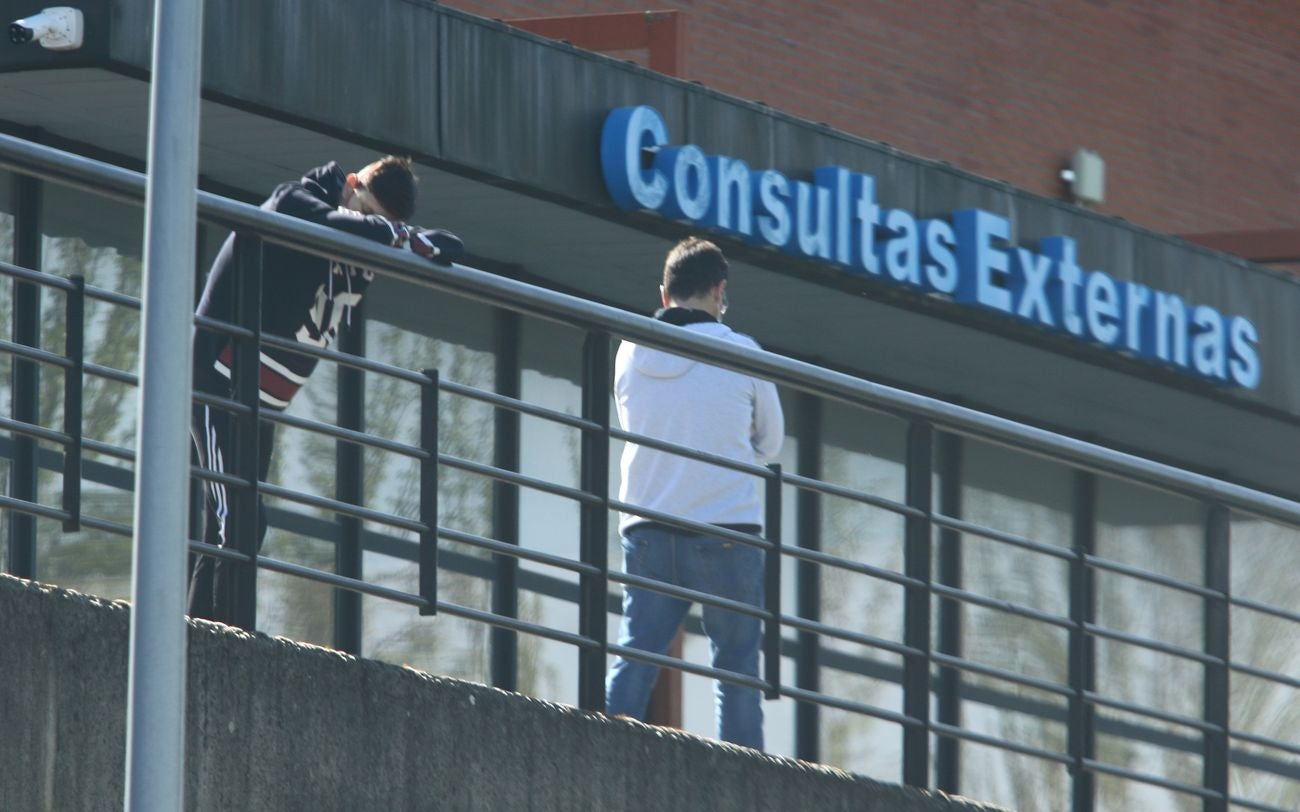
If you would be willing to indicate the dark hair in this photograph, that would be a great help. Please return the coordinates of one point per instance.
(693, 267)
(392, 182)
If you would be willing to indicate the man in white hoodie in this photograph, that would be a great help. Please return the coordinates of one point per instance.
(713, 410)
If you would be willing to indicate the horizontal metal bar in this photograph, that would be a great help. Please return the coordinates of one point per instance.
(688, 594)
(1264, 741)
(849, 565)
(345, 359)
(38, 277)
(962, 595)
(116, 528)
(1152, 713)
(664, 661)
(349, 435)
(467, 613)
(224, 327)
(952, 732)
(698, 528)
(961, 526)
(335, 506)
(831, 489)
(1237, 801)
(1145, 778)
(689, 453)
(340, 581)
(33, 430)
(74, 170)
(1152, 645)
(112, 297)
(1265, 674)
(839, 633)
(518, 551)
(973, 667)
(107, 450)
(32, 508)
(517, 405)
(224, 553)
(222, 477)
(826, 700)
(1152, 577)
(35, 354)
(524, 480)
(1268, 609)
(111, 374)
(225, 404)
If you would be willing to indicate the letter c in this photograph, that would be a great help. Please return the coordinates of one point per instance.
(628, 131)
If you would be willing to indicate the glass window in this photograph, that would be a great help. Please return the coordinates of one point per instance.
(863, 451)
(551, 376)
(100, 240)
(416, 329)
(1152, 532)
(6, 325)
(6, 217)
(1265, 556)
(1028, 498)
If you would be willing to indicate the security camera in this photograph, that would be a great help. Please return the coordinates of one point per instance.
(59, 29)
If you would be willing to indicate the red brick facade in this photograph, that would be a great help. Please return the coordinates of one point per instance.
(1194, 105)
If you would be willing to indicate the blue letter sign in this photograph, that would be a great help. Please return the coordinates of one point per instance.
(835, 219)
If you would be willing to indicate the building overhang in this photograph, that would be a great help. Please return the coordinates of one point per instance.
(505, 126)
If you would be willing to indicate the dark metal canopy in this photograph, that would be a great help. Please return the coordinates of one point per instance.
(504, 127)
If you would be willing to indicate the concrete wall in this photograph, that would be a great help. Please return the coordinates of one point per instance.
(275, 725)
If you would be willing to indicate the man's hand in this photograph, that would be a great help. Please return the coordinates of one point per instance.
(435, 244)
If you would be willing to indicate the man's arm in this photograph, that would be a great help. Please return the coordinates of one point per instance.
(769, 422)
(768, 430)
(436, 244)
(295, 200)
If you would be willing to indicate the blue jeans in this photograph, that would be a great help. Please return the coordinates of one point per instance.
(651, 620)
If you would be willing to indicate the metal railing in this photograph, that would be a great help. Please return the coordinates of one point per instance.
(935, 679)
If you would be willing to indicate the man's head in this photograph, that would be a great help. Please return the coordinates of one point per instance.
(385, 187)
(695, 275)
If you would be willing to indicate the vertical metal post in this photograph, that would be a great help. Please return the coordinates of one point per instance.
(505, 504)
(1082, 665)
(349, 486)
(807, 667)
(772, 585)
(237, 594)
(1218, 560)
(429, 493)
(74, 350)
(947, 770)
(596, 371)
(916, 605)
(25, 405)
(155, 731)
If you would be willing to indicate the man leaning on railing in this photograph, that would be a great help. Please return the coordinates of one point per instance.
(304, 298)
(714, 410)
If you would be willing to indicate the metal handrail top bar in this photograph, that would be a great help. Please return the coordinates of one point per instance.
(36, 277)
(98, 178)
(690, 453)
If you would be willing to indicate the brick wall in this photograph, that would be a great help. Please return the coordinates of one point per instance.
(1195, 105)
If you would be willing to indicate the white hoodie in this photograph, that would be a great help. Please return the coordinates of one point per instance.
(702, 407)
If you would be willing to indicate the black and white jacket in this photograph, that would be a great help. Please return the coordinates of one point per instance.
(304, 297)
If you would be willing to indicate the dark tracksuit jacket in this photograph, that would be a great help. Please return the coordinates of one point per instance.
(304, 298)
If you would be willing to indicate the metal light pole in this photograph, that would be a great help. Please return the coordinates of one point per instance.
(155, 728)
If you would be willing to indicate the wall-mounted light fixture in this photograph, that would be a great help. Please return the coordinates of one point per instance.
(1086, 176)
